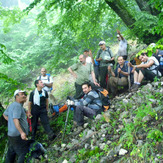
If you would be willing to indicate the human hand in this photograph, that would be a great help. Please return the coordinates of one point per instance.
(29, 115)
(118, 31)
(24, 136)
(119, 70)
(97, 84)
(109, 68)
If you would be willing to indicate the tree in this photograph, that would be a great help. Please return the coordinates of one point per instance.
(142, 17)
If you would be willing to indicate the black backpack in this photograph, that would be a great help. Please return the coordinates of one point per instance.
(104, 96)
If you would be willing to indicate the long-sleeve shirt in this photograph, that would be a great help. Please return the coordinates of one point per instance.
(91, 100)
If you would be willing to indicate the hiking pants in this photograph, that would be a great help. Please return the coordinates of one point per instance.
(42, 114)
(149, 75)
(81, 111)
(103, 72)
(79, 90)
(114, 82)
(18, 147)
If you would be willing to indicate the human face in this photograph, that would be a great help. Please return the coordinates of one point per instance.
(82, 59)
(86, 53)
(21, 97)
(40, 84)
(43, 72)
(143, 58)
(103, 47)
(120, 60)
(86, 89)
(119, 38)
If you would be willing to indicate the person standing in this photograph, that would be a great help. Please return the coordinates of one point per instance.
(83, 71)
(37, 108)
(122, 51)
(17, 128)
(47, 80)
(105, 59)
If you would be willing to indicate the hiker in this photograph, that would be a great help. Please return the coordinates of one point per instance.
(37, 108)
(88, 55)
(105, 59)
(83, 70)
(90, 105)
(147, 69)
(17, 128)
(46, 79)
(159, 55)
(122, 51)
(119, 77)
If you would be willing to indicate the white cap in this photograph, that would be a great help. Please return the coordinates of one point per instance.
(101, 43)
(118, 35)
(152, 45)
(17, 91)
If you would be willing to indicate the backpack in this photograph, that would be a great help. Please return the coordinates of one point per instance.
(48, 80)
(104, 96)
(100, 51)
(36, 150)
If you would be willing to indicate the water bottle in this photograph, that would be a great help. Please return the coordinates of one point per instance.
(161, 62)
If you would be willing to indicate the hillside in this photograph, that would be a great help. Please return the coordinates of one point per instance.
(130, 131)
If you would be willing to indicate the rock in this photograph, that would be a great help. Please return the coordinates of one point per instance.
(120, 126)
(98, 117)
(122, 152)
(89, 133)
(140, 142)
(146, 118)
(147, 87)
(85, 125)
(65, 161)
(124, 114)
(63, 145)
(108, 142)
(153, 100)
(103, 126)
(125, 101)
(107, 116)
(86, 146)
(102, 145)
(127, 121)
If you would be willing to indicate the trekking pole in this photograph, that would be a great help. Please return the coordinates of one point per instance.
(129, 80)
(5, 151)
(66, 122)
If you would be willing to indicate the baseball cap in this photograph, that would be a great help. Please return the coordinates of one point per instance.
(118, 35)
(17, 91)
(101, 43)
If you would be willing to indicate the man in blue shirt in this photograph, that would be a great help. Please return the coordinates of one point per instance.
(90, 105)
(119, 77)
(17, 128)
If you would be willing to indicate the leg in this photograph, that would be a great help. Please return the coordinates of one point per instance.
(123, 81)
(79, 90)
(113, 85)
(45, 122)
(20, 147)
(140, 76)
(34, 120)
(82, 111)
(135, 76)
(10, 157)
(103, 72)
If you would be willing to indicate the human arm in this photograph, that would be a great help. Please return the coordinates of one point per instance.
(110, 70)
(72, 72)
(17, 125)
(94, 79)
(49, 85)
(122, 72)
(5, 117)
(120, 34)
(29, 109)
(90, 53)
(146, 65)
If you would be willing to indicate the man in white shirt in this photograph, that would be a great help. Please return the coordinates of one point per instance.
(47, 80)
(147, 69)
(122, 51)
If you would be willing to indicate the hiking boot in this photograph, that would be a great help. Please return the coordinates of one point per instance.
(136, 87)
(133, 86)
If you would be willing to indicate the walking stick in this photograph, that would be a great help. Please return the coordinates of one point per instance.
(66, 122)
(129, 81)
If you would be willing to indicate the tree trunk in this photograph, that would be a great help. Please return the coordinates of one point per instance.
(129, 20)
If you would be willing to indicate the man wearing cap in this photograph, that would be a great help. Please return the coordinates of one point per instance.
(122, 51)
(83, 70)
(37, 108)
(17, 128)
(105, 58)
